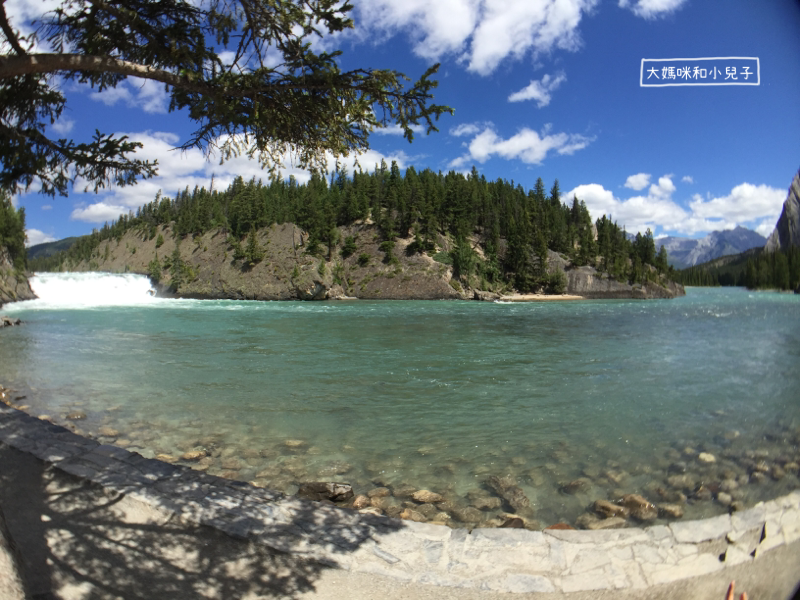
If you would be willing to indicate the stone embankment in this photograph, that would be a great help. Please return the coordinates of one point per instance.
(510, 560)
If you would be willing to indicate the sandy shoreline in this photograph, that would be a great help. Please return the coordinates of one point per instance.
(539, 298)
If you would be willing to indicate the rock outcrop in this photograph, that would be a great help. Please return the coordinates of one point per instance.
(13, 286)
(787, 230)
(591, 283)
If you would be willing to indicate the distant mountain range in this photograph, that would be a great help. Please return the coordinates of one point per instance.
(50, 248)
(687, 252)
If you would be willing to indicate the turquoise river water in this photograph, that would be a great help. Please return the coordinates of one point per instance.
(436, 395)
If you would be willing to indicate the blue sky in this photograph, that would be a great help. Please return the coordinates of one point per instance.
(541, 88)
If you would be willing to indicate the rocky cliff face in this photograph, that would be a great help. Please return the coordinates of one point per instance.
(285, 273)
(288, 273)
(589, 283)
(787, 230)
(12, 288)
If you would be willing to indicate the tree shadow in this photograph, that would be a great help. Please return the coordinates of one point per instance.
(78, 539)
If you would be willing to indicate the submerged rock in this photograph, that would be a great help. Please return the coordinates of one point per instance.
(641, 509)
(507, 488)
(196, 454)
(426, 496)
(607, 509)
(412, 515)
(573, 487)
(379, 492)
(590, 521)
(670, 511)
(706, 457)
(360, 502)
(76, 415)
(320, 490)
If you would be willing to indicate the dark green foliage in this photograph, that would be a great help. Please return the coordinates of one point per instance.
(159, 241)
(363, 259)
(254, 253)
(154, 269)
(12, 232)
(463, 259)
(349, 247)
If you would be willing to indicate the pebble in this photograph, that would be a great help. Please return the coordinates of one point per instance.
(724, 499)
(360, 502)
(670, 511)
(382, 502)
(194, 454)
(427, 496)
(412, 515)
(607, 509)
(487, 503)
(378, 492)
(76, 415)
(706, 457)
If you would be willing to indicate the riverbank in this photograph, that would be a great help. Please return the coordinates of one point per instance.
(209, 268)
(95, 521)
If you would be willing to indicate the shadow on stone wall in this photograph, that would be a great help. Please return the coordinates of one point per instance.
(77, 539)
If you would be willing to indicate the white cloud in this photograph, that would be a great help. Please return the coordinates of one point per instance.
(652, 9)
(99, 212)
(638, 182)
(664, 187)
(527, 145)
(480, 33)
(766, 227)
(687, 179)
(466, 129)
(63, 126)
(47, 207)
(37, 237)
(395, 129)
(146, 94)
(753, 206)
(746, 202)
(541, 90)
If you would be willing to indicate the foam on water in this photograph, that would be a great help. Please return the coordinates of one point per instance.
(87, 290)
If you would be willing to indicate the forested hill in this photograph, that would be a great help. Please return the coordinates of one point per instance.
(489, 234)
(756, 269)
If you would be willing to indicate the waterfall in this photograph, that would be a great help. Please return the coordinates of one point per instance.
(90, 290)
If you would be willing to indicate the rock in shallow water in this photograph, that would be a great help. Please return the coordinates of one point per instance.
(641, 509)
(361, 501)
(507, 488)
(426, 496)
(670, 511)
(607, 509)
(706, 457)
(320, 490)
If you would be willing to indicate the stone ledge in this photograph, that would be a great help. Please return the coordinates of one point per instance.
(508, 560)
